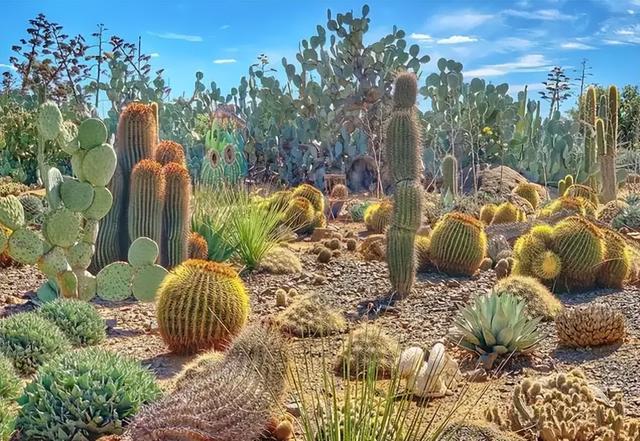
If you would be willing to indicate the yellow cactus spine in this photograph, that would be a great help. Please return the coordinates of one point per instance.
(458, 244)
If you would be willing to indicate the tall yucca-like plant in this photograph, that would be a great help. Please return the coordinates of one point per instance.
(236, 224)
(402, 152)
(494, 325)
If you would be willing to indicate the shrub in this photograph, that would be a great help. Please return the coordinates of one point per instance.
(30, 340)
(83, 396)
(79, 320)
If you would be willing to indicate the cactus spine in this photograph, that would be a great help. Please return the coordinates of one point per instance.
(146, 201)
(402, 154)
(175, 217)
(450, 175)
(607, 147)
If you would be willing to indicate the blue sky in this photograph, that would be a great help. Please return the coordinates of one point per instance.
(502, 41)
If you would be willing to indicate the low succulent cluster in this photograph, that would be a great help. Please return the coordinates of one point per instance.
(281, 260)
(201, 305)
(573, 255)
(84, 395)
(378, 216)
(629, 216)
(494, 325)
(594, 325)
(374, 247)
(358, 209)
(29, 340)
(540, 301)
(368, 350)
(564, 406)
(78, 320)
(309, 316)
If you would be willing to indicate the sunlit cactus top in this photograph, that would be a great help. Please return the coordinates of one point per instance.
(406, 90)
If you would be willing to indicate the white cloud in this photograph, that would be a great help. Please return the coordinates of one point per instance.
(420, 37)
(575, 45)
(515, 88)
(7, 66)
(526, 63)
(615, 42)
(224, 61)
(461, 21)
(625, 32)
(224, 27)
(175, 36)
(540, 14)
(154, 55)
(457, 39)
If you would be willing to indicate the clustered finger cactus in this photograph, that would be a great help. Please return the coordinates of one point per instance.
(230, 399)
(494, 325)
(458, 244)
(85, 394)
(564, 406)
(201, 305)
(594, 325)
(402, 156)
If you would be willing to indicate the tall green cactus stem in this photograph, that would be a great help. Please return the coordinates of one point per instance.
(402, 155)
(108, 241)
(450, 175)
(146, 201)
(175, 217)
(607, 147)
(588, 128)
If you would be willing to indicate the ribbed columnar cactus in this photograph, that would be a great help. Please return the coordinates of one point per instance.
(450, 175)
(588, 127)
(146, 201)
(231, 399)
(606, 140)
(176, 215)
(403, 158)
(201, 305)
(109, 243)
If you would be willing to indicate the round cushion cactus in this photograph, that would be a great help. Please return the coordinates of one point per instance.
(487, 212)
(310, 316)
(528, 191)
(368, 348)
(507, 213)
(83, 396)
(377, 216)
(201, 305)
(593, 325)
(312, 194)
(78, 319)
(458, 244)
(581, 248)
(617, 261)
(30, 340)
(299, 214)
(540, 301)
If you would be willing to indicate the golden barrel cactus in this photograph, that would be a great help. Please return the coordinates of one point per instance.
(528, 191)
(507, 213)
(312, 194)
(458, 244)
(201, 305)
(378, 216)
(617, 261)
(594, 325)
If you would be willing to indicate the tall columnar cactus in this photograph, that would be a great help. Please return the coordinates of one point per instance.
(607, 147)
(450, 176)
(146, 201)
(402, 156)
(589, 113)
(201, 305)
(176, 215)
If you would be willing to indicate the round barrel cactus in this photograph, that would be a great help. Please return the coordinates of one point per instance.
(201, 305)
(458, 244)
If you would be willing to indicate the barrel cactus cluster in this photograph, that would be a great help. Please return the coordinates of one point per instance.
(573, 255)
(304, 208)
(151, 192)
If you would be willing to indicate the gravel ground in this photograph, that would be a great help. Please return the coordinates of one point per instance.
(423, 319)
